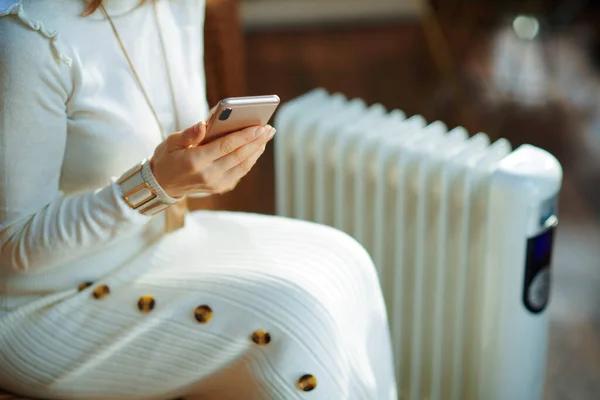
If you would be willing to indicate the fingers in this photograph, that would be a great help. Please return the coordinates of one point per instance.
(227, 144)
(229, 189)
(239, 171)
(215, 167)
(190, 137)
(239, 155)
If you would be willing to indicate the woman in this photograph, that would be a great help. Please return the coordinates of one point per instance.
(102, 298)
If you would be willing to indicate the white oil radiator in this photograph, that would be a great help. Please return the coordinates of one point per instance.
(460, 230)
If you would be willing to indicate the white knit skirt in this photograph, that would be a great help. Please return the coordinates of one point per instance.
(233, 306)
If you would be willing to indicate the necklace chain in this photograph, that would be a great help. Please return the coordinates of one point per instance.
(137, 77)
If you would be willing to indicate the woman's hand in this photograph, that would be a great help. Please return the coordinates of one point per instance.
(183, 166)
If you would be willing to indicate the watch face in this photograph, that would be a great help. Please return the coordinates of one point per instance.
(536, 290)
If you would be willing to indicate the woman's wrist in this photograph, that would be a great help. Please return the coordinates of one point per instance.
(150, 179)
(160, 181)
(142, 192)
(166, 190)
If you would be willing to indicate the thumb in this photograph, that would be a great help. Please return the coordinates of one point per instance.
(191, 136)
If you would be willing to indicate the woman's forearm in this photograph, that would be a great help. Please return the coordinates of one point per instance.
(67, 228)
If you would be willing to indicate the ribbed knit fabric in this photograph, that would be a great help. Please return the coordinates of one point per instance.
(313, 289)
(97, 303)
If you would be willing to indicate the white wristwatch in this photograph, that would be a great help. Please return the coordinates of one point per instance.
(142, 192)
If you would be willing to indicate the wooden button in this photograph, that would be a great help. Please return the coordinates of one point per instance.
(261, 337)
(146, 303)
(203, 314)
(306, 383)
(84, 285)
(101, 292)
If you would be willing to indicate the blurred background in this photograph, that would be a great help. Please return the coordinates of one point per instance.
(528, 71)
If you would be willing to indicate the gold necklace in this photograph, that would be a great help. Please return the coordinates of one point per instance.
(174, 215)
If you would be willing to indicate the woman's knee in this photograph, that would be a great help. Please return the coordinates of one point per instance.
(331, 273)
(341, 251)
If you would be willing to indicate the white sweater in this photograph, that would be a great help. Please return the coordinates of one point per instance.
(71, 119)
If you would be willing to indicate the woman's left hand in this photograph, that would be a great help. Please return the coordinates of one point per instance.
(234, 185)
(183, 166)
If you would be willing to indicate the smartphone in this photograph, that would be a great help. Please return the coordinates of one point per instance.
(237, 113)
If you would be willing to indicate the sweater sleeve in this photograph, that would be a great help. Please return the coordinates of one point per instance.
(40, 227)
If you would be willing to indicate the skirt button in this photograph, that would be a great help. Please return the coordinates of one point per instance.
(203, 314)
(84, 285)
(146, 303)
(101, 292)
(306, 383)
(261, 337)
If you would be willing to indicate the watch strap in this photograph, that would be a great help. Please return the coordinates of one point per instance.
(142, 192)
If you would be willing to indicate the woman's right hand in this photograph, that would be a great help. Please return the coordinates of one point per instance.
(182, 165)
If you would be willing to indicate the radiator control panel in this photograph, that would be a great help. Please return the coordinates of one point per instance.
(536, 288)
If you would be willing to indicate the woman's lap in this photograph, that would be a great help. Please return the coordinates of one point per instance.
(311, 288)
